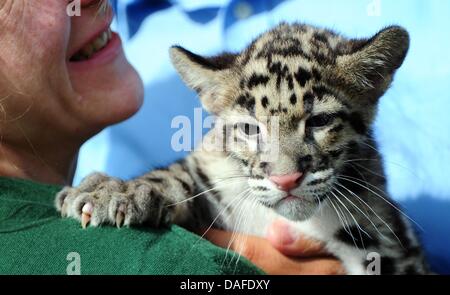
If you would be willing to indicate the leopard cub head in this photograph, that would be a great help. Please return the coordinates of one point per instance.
(321, 90)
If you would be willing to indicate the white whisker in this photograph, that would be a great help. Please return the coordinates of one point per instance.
(354, 219)
(200, 194)
(359, 209)
(348, 178)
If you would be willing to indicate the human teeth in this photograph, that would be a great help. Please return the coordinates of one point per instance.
(87, 51)
(100, 42)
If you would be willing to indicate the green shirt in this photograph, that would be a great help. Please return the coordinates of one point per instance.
(34, 239)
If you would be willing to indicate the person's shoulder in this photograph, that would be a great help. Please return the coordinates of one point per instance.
(36, 240)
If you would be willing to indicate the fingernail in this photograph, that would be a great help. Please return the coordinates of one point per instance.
(281, 233)
(285, 234)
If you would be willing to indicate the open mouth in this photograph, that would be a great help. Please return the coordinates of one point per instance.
(93, 47)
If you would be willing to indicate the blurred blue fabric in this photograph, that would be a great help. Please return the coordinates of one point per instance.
(413, 121)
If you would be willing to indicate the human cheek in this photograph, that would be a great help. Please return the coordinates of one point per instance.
(38, 44)
(48, 31)
(35, 25)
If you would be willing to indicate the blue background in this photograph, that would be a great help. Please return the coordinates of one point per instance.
(413, 121)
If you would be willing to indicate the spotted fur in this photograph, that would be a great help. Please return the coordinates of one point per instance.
(323, 89)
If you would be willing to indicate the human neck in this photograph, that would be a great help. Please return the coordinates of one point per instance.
(54, 167)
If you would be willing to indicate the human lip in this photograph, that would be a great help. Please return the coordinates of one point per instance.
(87, 51)
(96, 41)
(104, 56)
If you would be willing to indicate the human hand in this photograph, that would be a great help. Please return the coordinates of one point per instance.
(282, 252)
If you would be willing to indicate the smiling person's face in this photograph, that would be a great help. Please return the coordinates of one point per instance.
(108, 88)
(40, 57)
(61, 77)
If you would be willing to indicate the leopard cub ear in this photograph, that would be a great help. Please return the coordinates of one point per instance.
(369, 65)
(206, 75)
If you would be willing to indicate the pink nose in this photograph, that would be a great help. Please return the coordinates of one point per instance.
(286, 182)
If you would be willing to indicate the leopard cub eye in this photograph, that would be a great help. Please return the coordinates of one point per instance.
(318, 120)
(249, 129)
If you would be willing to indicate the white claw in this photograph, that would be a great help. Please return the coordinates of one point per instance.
(120, 215)
(85, 218)
(64, 210)
(119, 219)
(87, 210)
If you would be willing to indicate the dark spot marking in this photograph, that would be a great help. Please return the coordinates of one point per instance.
(320, 91)
(185, 186)
(316, 74)
(336, 153)
(203, 177)
(302, 76)
(357, 123)
(294, 49)
(264, 101)
(318, 181)
(400, 230)
(242, 84)
(353, 148)
(248, 53)
(250, 103)
(364, 243)
(246, 101)
(323, 163)
(308, 102)
(353, 184)
(309, 136)
(278, 69)
(290, 82)
(154, 179)
(241, 100)
(293, 99)
(320, 37)
(256, 80)
(303, 163)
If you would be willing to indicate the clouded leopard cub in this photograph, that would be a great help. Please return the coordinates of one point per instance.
(295, 109)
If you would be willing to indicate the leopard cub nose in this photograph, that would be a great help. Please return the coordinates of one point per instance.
(287, 182)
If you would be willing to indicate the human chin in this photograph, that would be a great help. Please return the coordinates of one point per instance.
(109, 91)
